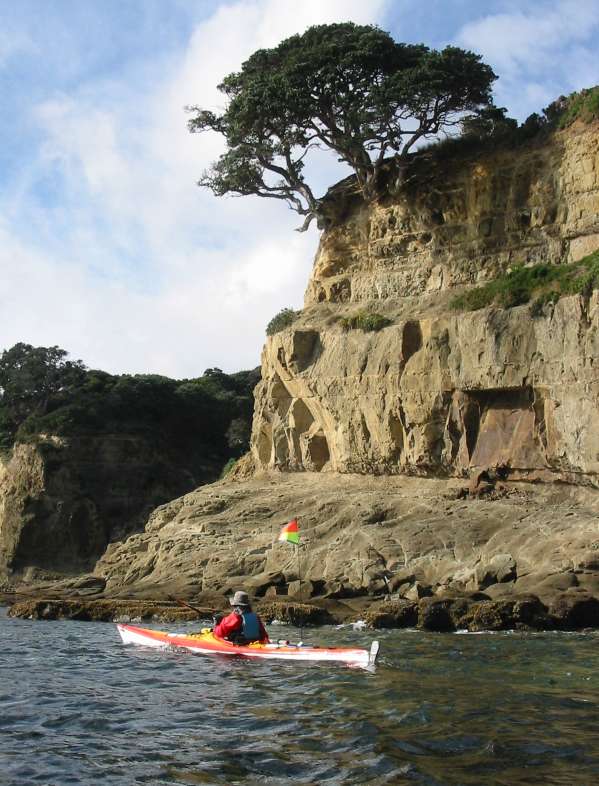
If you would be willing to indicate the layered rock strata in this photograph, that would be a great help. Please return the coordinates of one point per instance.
(367, 539)
(368, 437)
(441, 392)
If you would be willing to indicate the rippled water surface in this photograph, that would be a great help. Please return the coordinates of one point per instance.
(76, 707)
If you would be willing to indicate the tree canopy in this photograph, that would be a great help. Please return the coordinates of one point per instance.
(347, 88)
(41, 391)
(30, 377)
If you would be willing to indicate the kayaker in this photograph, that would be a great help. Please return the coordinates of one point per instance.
(242, 625)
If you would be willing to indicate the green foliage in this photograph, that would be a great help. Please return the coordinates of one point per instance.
(366, 321)
(347, 88)
(580, 106)
(280, 321)
(490, 121)
(192, 415)
(489, 127)
(228, 467)
(545, 298)
(30, 378)
(547, 282)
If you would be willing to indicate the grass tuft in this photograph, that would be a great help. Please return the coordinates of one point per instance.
(365, 320)
(581, 106)
(280, 321)
(546, 283)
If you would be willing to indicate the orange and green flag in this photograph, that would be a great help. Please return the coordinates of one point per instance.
(290, 532)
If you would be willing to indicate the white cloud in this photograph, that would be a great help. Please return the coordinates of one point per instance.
(537, 53)
(131, 267)
(531, 38)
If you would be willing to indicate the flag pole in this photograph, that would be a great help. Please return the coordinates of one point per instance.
(290, 533)
(299, 575)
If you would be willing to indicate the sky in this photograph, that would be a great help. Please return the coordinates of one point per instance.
(108, 248)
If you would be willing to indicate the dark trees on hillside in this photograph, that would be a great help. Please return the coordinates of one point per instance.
(30, 378)
(43, 392)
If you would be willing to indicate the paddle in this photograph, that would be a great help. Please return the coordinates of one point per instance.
(199, 612)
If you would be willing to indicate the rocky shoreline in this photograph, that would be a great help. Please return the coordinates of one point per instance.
(391, 551)
(568, 611)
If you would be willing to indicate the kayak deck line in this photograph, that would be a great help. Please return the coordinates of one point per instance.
(207, 643)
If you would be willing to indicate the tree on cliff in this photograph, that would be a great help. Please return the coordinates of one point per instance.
(343, 87)
(30, 377)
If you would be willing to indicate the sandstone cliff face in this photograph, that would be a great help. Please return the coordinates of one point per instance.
(440, 392)
(463, 220)
(62, 500)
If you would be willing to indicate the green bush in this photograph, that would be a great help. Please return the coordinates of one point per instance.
(228, 467)
(547, 282)
(280, 321)
(491, 129)
(366, 321)
(580, 106)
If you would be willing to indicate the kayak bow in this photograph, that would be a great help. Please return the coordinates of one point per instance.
(206, 643)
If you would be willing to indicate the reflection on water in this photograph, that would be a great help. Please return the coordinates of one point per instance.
(76, 707)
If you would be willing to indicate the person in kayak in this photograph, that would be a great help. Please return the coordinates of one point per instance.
(242, 625)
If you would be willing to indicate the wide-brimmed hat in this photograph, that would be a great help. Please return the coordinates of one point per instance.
(240, 599)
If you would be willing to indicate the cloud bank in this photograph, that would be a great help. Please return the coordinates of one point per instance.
(110, 250)
(107, 246)
(539, 50)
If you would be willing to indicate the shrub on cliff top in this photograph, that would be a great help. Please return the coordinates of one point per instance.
(228, 467)
(350, 89)
(365, 321)
(580, 106)
(491, 129)
(547, 282)
(280, 321)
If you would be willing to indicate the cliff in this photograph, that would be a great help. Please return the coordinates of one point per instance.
(369, 437)
(441, 392)
(62, 500)
(103, 453)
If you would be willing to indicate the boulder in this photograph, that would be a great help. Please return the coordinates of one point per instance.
(544, 585)
(575, 610)
(300, 590)
(588, 581)
(417, 591)
(500, 568)
(259, 584)
(340, 589)
(434, 614)
(399, 614)
(521, 613)
(294, 613)
(400, 578)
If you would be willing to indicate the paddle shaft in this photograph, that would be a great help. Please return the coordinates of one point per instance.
(199, 612)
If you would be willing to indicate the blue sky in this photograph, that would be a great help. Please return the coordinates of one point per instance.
(107, 247)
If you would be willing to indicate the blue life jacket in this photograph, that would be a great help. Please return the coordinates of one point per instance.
(251, 626)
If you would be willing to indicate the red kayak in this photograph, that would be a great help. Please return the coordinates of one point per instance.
(206, 643)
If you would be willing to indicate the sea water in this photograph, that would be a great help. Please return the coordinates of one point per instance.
(77, 707)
